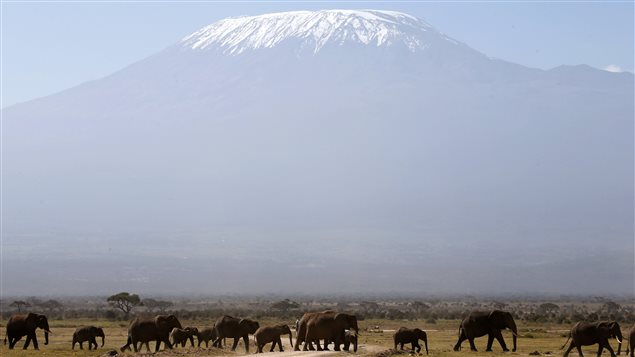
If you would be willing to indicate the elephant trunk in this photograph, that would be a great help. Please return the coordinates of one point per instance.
(291, 338)
(46, 337)
(619, 343)
(514, 330)
(103, 340)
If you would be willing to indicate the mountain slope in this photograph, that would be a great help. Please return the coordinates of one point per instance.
(360, 141)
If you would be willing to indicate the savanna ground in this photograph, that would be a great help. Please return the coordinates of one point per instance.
(375, 337)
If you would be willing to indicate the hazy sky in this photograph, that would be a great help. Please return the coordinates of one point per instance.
(48, 47)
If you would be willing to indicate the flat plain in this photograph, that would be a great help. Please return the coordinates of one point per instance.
(375, 338)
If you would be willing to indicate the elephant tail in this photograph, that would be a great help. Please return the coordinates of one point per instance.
(568, 338)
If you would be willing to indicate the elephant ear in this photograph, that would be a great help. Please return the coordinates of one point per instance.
(32, 319)
(161, 321)
(498, 317)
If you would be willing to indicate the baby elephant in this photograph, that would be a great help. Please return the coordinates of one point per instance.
(180, 336)
(206, 335)
(268, 334)
(350, 337)
(88, 333)
(412, 336)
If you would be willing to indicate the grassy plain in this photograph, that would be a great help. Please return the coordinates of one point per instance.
(375, 336)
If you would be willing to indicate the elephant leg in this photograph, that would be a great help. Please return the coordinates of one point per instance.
(127, 345)
(608, 347)
(499, 337)
(309, 342)
(246, 340)
(401, 346)
(27, 342)
(490, 341)
(571, 346)
(11, 343)
(34, 338)
(600, 348)
(472, 345)
(462, 338)
(417, 346)
(235, 343)
(280, 344)
(579, 347)
(325, 347)
(336, 344)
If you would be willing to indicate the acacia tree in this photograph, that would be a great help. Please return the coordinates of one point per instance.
(548, 308)
(20, 304)
(124, 301)
(285, 305)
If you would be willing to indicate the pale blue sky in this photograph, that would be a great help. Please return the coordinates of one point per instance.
(48, 47)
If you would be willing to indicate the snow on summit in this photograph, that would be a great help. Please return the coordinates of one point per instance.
(314, 30)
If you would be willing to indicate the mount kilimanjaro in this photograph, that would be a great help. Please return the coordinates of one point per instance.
(338, 150)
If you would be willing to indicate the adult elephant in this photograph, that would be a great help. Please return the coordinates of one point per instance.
(90, 334)
(272, 334)
(25, 325)
(586, 334)
(406, 335)
(228, 326)
(301, 325)
(330, 328)
(490, 323)
(144, 330)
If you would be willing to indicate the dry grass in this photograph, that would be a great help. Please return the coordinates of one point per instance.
(544, 338)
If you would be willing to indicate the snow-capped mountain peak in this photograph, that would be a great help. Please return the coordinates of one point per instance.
(314, 30)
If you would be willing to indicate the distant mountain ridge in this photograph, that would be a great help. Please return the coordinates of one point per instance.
(365, 143)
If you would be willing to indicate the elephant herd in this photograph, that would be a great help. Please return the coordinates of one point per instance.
(314, 331)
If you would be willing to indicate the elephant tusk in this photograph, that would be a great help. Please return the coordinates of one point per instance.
(618, 340)
(48, 331)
